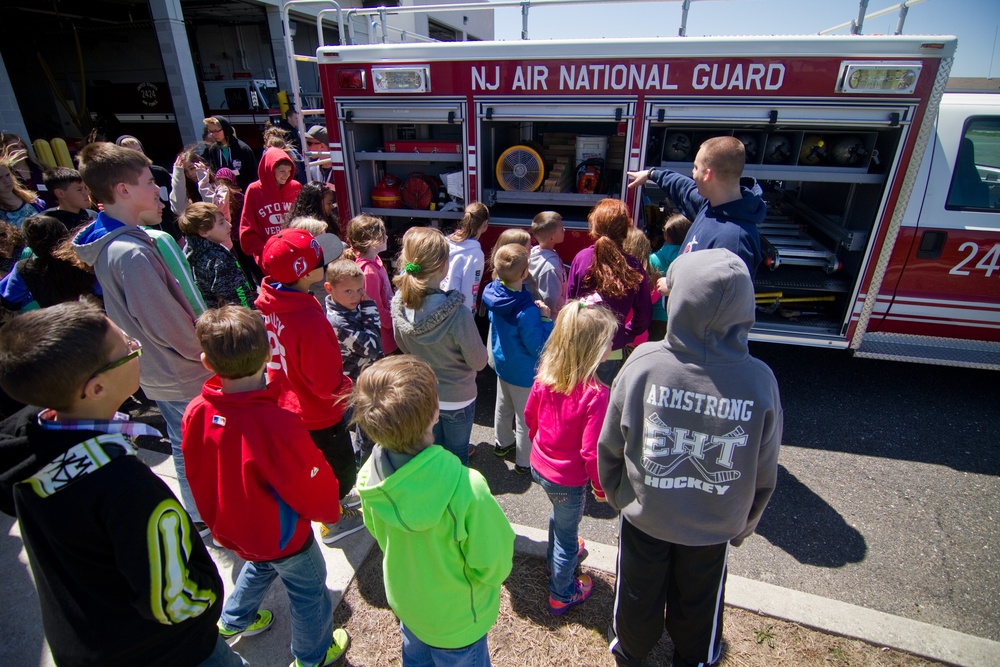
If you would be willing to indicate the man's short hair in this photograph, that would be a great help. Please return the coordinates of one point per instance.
(48, 355)
(545, 224)
(725, 156)
(234, 341)
(60, 178)
(394, 401)
(104, 165)
(510, 261)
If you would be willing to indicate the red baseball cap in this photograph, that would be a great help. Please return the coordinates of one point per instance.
(291, 254)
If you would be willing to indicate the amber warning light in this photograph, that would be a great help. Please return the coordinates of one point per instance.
(351, 79)
(897, 78)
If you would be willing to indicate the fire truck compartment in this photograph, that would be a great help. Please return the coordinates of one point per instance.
(824, 171)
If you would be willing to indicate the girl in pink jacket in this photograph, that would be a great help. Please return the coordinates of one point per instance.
(564, 415)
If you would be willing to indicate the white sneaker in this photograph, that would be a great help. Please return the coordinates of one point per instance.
(350, 523)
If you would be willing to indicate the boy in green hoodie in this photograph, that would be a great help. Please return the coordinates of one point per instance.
(447, 545)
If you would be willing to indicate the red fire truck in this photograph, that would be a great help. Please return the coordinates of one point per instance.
(883, 226)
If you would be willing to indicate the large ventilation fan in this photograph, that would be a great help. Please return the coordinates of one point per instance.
(520, 169)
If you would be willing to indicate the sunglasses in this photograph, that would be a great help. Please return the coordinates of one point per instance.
(135, 351)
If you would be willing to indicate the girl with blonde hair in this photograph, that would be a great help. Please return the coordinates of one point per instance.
(17, 203)
(434, 326)
(606, 269)
(564, 414)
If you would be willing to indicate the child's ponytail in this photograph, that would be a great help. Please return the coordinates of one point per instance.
(424, 256)
(610, 273)
(476, 215)
(582, 333)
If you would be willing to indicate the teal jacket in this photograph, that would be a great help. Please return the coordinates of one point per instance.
(447, 545)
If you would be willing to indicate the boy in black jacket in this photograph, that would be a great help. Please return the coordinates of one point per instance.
(127, 581)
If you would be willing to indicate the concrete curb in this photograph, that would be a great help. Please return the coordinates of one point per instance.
(831, 616)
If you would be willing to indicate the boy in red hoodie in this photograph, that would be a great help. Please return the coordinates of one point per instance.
(306, 360)
(267, 201)
(259, 481)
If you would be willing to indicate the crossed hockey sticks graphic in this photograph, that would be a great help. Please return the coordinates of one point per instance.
(719, 477)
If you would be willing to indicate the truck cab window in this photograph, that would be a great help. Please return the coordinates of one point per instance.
(975, 182)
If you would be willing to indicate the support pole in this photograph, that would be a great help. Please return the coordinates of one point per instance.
(903, 10)
(859, 22)
(685, 8)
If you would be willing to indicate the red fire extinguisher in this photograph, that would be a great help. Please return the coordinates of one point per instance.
(386, 193)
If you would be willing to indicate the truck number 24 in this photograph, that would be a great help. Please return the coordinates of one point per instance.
(989, 263)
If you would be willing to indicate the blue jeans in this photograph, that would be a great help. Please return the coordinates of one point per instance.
(172, 412)
(564, 523)
(418, 654)
(304, 577)
(223, 656)
(453, 430)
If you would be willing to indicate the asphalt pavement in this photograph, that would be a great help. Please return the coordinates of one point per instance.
(888, 491)
(884, 511)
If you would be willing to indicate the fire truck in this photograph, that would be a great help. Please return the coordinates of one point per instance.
(883, 227)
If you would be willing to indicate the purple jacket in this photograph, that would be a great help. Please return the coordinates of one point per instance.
(637, 301)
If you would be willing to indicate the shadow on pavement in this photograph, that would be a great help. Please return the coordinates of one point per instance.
(806, 527)
(838, 403)
(20, 616)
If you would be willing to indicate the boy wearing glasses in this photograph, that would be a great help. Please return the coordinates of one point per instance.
(225, 150)
(126, 581)
(140, 293)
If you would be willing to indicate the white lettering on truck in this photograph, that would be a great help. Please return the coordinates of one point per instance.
(727, 76)
(578, 77)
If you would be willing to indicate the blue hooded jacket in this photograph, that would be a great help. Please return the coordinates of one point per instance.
(518, 333)
(732, 225)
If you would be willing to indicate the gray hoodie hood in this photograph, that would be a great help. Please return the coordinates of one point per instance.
(710, 308)
(444, 334)
(143, 298)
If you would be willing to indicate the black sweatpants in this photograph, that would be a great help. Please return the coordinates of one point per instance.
(688, 583)
(335, 443)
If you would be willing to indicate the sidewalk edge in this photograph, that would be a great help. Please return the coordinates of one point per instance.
(824, 614)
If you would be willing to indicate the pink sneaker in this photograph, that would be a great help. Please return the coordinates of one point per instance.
(584, 586)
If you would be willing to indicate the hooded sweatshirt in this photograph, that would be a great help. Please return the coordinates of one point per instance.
(217, 274)
(447, 545)
(732, 225)
(517, 333)
(126, 581)
(306, 360)
(236, 155)
(143, 298)
(465, 269)
(689, 449)
(255, 473)
(444, 334)
(265, 205)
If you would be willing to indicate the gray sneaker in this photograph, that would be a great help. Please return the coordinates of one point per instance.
(352, 499)
(350, 522)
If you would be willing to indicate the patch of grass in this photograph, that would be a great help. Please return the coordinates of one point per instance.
(765, 634)
(527, 635)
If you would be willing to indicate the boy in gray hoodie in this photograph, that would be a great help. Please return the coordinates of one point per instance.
(688, 454)
(140, 294)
